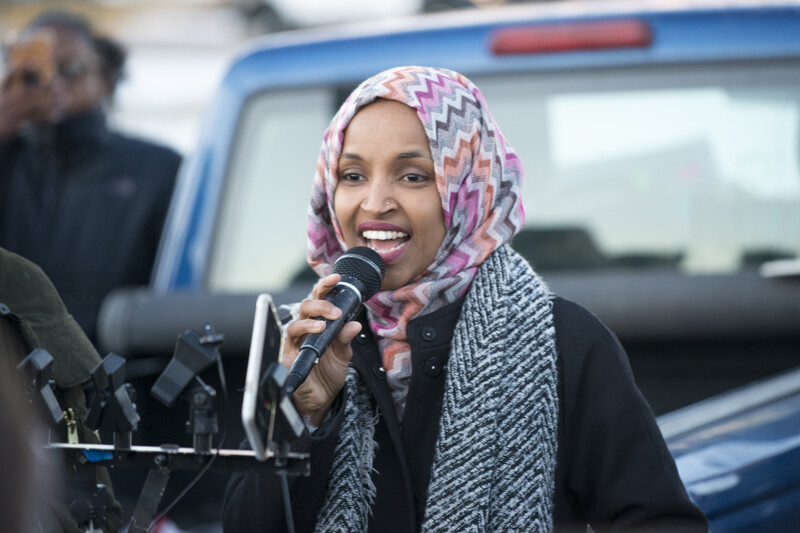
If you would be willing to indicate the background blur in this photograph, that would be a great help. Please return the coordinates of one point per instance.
(179, 49)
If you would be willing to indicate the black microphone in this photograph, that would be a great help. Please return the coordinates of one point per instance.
(361, 270)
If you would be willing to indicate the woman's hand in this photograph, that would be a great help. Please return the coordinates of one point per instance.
(316, 395)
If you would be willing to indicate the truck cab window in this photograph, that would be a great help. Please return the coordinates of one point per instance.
(260, 241)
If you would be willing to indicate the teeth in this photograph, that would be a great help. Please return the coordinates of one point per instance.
(372, 235)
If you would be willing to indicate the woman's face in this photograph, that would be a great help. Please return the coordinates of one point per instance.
(386, 197)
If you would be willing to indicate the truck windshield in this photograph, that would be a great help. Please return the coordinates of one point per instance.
(690, 168)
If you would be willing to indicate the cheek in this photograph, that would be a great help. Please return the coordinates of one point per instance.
(433, 222)
(83, 95)
(343, 208)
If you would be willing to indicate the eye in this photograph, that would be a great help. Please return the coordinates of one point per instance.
(415, 178)
(351, 177)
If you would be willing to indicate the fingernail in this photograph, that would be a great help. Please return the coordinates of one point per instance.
(319, 324)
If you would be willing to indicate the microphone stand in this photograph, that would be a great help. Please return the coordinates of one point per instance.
(35, 371)
(89, 506)
(203, 421)
(162, 460)
(112, 408)
(203, 424)
(89, 510)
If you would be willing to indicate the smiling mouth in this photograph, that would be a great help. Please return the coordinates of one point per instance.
(385, 241)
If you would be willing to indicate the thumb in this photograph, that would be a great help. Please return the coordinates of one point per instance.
(341, 344)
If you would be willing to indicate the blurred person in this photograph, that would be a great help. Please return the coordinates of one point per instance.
(84, 203)
(465, 396)
(32, 315)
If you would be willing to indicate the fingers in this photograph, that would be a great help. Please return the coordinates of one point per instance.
(298, 329)
(310, 320)
(319, 309)
(317, 306)
(315, 396)
(324, 286)
(311, 313)
(346, 336)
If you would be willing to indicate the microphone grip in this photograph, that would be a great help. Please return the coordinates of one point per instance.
(315, 344)
(301, 368)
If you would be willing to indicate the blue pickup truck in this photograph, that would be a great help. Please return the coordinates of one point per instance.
(661, 142)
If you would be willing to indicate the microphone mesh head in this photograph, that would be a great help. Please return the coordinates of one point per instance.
(365, 265)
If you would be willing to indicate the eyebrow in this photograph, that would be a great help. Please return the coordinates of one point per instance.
(412, 155)
(403, 155)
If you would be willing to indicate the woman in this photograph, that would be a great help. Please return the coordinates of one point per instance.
(467, 397)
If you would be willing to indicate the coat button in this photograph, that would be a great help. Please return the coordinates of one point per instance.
(361, 338)
(428, 333)
(433, 367)
(4, 310)
(379, 371)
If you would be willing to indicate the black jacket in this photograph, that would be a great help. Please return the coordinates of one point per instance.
(87, 205)
(613, 471)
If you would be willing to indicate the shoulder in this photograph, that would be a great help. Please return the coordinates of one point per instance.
(615, 470)
(29, 297)
(576, 325)
(146, 151)
(586, 347)
(20, 278)
(138, 144)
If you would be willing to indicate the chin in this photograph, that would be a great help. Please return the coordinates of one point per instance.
(391, 284)
(389, 287)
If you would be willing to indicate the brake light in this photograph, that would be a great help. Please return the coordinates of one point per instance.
(569, 37)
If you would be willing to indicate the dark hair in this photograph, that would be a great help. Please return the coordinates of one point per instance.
(66, 19)
(113, 57)
(111, 53)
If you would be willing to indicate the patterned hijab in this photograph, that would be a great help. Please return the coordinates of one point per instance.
(479, 179)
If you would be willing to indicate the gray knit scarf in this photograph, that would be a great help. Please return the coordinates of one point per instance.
(494, 465)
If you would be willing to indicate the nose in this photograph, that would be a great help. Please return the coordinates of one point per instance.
(378, 199)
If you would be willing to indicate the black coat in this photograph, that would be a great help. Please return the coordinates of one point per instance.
(613, 471)
(87, 205)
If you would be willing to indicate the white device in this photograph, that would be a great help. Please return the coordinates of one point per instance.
(266, 347)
